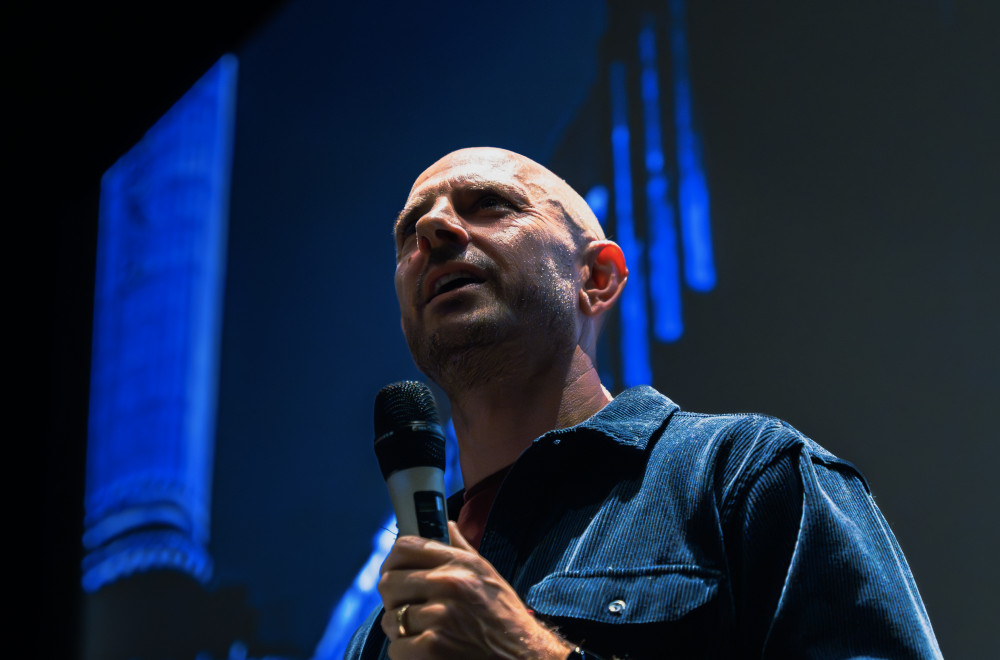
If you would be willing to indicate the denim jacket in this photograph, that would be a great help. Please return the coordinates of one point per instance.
(650, 532)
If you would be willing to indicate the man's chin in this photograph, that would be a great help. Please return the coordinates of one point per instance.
(460, 353)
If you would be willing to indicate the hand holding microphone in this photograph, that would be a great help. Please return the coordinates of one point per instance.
(441, 601)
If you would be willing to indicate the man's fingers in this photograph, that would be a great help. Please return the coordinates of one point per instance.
(413, 553)
(400, 621)
(436, 584)
(411, 620)
(399, 588)
(415, 646)
(457, 540)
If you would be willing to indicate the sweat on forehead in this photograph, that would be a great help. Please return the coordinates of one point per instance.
(475, 164)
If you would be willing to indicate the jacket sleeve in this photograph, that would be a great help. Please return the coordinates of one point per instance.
(816, 572)
(367, 641)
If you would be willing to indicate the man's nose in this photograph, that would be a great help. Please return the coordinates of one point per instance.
(440, 227)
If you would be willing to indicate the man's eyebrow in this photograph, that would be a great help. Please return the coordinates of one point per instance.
(475, 182)
(414, 207)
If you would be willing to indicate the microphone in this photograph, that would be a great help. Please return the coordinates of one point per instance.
(409, 445)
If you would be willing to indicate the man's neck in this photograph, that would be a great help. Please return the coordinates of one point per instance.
(498, 421)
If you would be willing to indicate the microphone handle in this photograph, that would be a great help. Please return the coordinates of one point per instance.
(417, 495)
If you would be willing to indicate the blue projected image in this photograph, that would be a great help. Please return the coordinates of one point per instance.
(157, 320)
(686, 201)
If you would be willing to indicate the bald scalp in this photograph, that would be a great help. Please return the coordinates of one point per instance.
(542, 182)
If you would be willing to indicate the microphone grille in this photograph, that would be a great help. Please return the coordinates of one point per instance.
(404, 403)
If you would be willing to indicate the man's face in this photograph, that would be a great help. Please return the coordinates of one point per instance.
(486, 268)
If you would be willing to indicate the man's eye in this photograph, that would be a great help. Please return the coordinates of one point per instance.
(493, 202)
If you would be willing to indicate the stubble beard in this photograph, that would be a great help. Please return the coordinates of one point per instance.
(506, 338)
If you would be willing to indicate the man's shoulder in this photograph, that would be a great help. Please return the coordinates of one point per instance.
(644, 405)
(744, 440)
(714, 443)
(735, 448)
(739, 431)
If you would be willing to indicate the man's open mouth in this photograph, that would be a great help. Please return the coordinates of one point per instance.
(453, 281)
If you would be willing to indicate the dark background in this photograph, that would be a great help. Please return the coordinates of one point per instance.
(851, 153)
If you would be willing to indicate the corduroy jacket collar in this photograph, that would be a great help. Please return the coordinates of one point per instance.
(630, 419)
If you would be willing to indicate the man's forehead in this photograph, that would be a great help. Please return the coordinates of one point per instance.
(478, 166)
(504, 171)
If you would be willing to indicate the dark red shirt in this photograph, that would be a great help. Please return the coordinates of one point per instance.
(477, 502)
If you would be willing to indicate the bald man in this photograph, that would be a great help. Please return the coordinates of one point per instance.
(598, 526)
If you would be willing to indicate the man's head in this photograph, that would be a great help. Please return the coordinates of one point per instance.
(499, 262)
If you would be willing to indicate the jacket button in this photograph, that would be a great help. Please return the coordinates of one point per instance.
(616, 607)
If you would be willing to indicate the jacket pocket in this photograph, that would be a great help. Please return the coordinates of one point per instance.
(644, 595)
(650, 612)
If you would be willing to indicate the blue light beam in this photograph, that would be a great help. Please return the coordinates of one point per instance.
(360, 599)
(696, 233)
(664, 281)
(636, 368)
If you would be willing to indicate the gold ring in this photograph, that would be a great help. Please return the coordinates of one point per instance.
(399, 619)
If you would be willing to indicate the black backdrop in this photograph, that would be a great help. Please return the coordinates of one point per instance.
(851, 154)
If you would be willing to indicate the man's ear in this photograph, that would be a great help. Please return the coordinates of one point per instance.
(606, 273)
